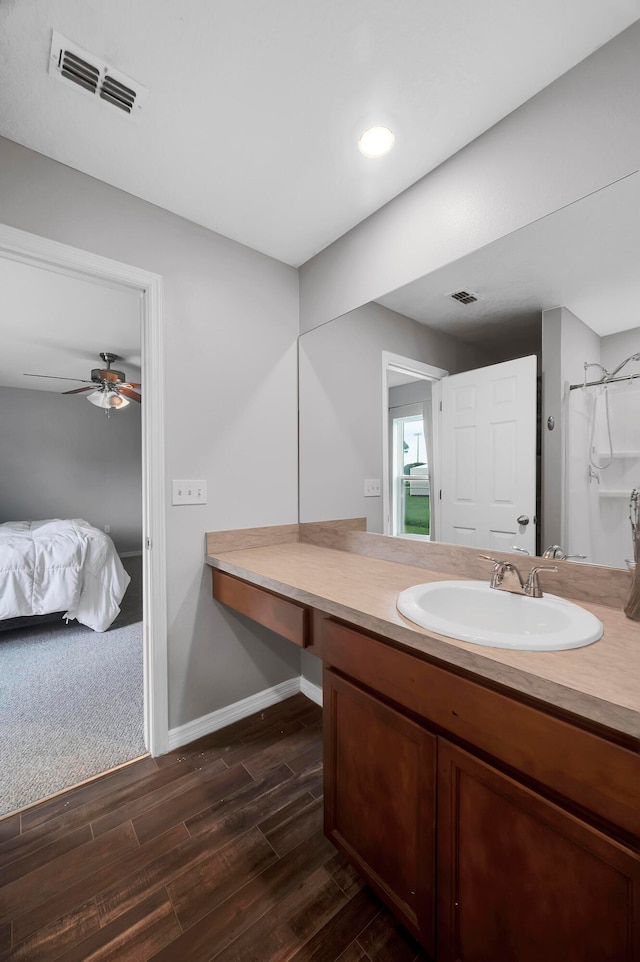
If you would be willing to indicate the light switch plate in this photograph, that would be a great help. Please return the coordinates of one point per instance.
(188, 492)
(372, 488)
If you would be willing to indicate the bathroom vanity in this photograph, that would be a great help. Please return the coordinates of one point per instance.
(491, 798)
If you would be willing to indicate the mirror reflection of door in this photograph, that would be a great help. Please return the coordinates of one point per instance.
(461, 465)
(488, 471)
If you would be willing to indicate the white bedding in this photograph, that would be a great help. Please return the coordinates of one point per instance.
(48, 566)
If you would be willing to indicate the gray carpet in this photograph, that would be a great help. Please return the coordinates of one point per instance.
(71, 701)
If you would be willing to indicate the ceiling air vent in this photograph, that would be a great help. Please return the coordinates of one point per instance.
(117, 94)
(72, 65)
(465, 297)
(79, 71)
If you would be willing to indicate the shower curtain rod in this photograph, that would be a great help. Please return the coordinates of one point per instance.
(611, 380)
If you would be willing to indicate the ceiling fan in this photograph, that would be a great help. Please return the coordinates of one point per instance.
(109, 388)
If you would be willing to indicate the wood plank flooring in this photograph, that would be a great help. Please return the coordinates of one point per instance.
(215, 851)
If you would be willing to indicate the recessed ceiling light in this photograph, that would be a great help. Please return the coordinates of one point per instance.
(376, 141)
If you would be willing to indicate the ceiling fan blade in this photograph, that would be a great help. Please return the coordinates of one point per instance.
(130, 394)
(56, 377)
(79, 390)
(130, 385)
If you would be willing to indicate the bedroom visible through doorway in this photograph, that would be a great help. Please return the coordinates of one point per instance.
(71, 530)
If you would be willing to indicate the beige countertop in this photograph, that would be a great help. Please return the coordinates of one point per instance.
(599, 683)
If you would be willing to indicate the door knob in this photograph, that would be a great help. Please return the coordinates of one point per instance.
(523, 520)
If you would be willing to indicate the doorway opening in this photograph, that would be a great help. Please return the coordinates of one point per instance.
(409, 446)
(142, 552)
(411, 513)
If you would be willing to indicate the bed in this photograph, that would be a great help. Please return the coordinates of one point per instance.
(64, 566)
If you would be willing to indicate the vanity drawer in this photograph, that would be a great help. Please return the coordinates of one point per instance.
(286, 618)
(599, 776)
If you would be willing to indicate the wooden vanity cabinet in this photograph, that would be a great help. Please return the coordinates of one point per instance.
(496, 830)
(518, 877)
(380, 799)
(522, 880)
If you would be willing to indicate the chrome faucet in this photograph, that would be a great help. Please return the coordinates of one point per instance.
(556, 552)
(506, 577)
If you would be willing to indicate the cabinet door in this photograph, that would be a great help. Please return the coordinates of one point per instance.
(521, 880)
(380, 773)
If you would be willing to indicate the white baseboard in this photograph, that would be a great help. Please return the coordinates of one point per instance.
(314, 692)
(232, 713)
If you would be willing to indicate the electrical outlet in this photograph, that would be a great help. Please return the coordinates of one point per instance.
(107, 529)
(188, 492)
(372, 488)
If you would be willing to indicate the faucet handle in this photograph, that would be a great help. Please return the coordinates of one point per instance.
(532, 586)
(499, 568)
(553, 551)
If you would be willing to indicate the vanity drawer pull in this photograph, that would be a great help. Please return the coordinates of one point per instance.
(286, 618)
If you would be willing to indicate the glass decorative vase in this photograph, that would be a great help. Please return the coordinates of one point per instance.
(632, 607)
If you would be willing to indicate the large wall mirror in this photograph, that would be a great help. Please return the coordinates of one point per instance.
(554, 296)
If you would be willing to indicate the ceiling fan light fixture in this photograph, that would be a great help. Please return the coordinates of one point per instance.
(108, 388)
(107, 399)
(98, 398)
(376, 141)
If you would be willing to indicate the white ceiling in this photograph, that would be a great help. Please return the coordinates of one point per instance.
(57, 324)
(584, 257)
(250, 128)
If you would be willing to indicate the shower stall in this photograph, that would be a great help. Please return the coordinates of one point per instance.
(602, 464)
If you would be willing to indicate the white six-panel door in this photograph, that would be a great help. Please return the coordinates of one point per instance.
(488, 445)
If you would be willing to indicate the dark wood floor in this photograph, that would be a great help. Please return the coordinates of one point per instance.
(215, 851)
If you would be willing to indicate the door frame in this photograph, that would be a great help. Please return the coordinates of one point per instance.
(27, 248)
(417, 369)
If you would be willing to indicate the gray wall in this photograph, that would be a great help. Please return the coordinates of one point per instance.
(575, 136)
(60, 457)
(230, 326)
(614, 348)
(567, 342)
(551, 440)
(311, 668)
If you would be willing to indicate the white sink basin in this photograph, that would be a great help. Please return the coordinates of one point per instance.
(472, 611)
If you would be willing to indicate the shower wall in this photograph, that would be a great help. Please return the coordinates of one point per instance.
(615, 347)
(602, 456)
